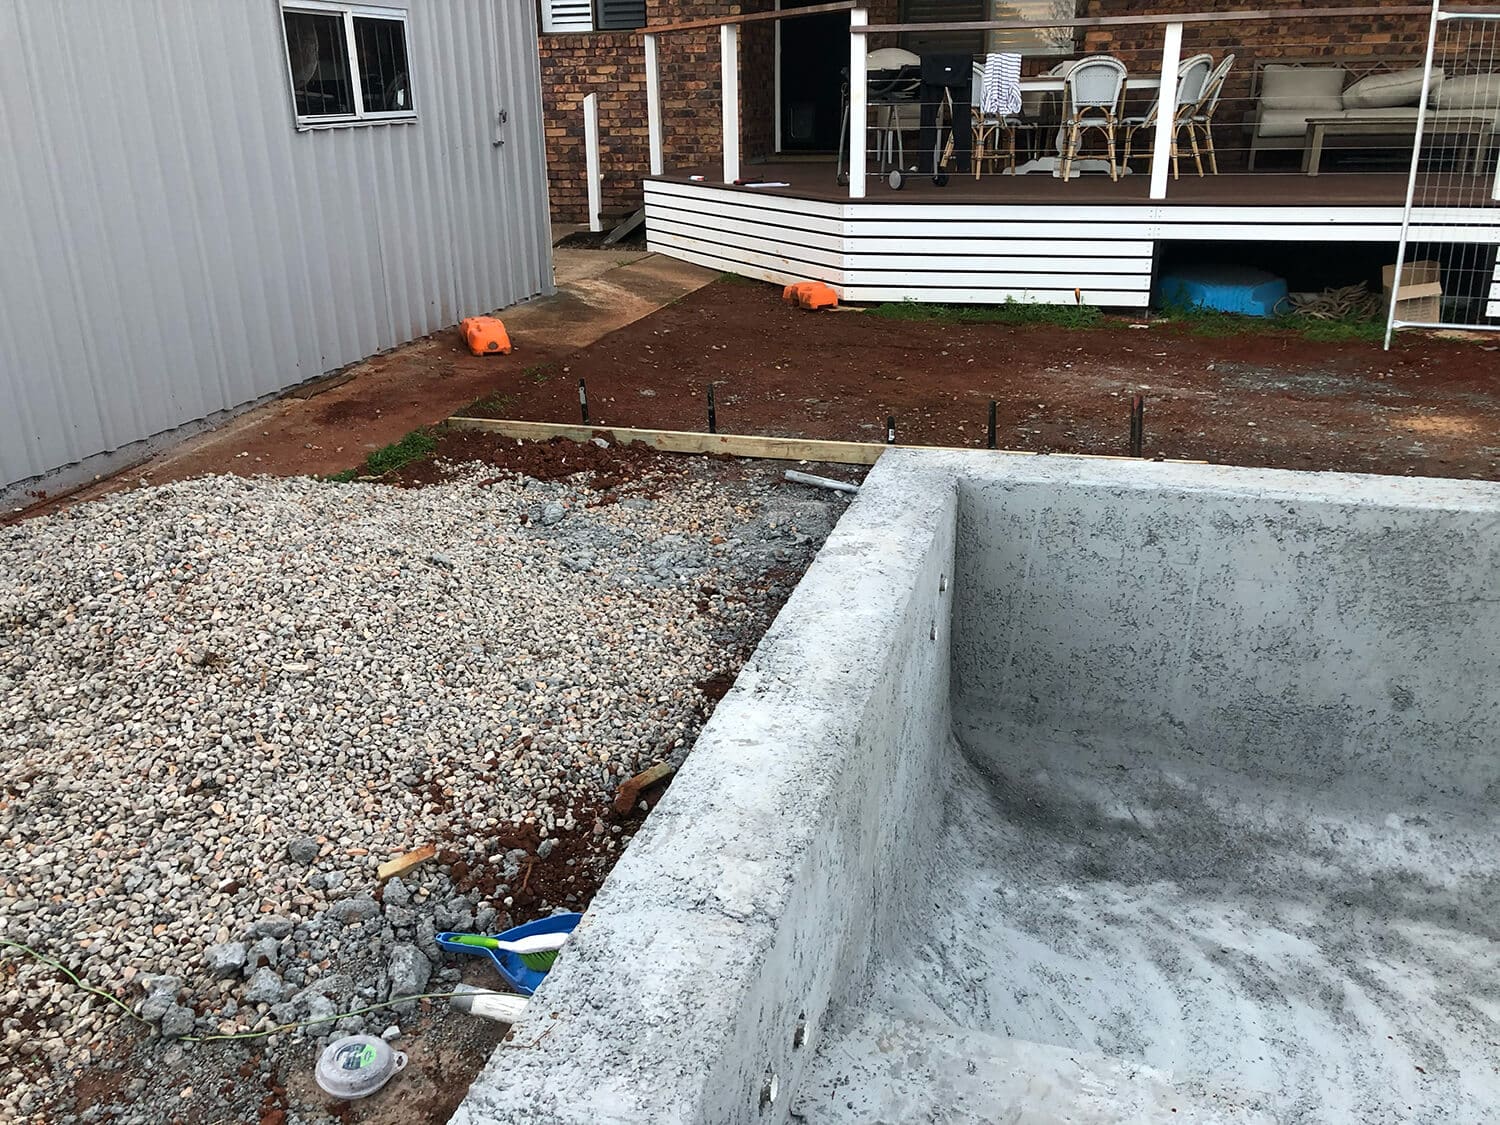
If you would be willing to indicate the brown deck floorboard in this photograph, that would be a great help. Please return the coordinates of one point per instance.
(815, 180)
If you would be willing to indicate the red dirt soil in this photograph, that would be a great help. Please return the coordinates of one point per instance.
(1429, 406)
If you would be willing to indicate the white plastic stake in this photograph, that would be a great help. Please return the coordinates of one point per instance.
(591, 159)
(859, 85)
(729, 84)
(653, 105)
(1166, 111)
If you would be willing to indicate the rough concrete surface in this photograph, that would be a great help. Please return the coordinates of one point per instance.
(1195, 827)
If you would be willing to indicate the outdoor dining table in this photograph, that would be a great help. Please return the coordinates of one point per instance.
(1053, 84)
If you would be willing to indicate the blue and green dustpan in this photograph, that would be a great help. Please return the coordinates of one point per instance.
(523, 972)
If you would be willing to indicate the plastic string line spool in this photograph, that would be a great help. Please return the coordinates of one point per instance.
(357, 1065)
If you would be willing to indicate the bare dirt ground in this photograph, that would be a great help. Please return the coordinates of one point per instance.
(1430, 406)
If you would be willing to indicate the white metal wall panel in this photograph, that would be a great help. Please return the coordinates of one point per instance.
(173, 247)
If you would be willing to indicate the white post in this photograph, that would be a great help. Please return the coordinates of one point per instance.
(776, 77)
(591, 158)
(1411, 173)
(859, 85)
(729, 84)
(653, 105)
(1166, 111)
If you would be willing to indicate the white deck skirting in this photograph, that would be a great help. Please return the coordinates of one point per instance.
(988, 253)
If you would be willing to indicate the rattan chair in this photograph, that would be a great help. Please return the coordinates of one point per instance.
(1092, 93)
(1202, 118)
(1192, 80)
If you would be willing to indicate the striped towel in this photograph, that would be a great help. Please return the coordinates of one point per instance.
(1001, 96)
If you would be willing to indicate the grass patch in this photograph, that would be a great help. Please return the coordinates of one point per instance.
(540, 372)
(413, 447)
(490, 406)
(1341, 330)
(1013, 312)
(736, 279)
(1362, 330)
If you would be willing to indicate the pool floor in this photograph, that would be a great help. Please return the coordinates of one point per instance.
(1110, 942)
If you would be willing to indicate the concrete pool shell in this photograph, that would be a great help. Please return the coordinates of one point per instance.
(1070, 790)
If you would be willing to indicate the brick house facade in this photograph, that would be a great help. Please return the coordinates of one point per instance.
(612, 64)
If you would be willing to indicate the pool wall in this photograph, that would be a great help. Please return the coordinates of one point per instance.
(1334, 629)
(697, 984)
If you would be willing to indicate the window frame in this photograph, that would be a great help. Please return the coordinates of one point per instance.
(595, 14)
(349, 13)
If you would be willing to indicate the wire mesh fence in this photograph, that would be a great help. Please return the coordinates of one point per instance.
(1453, 282)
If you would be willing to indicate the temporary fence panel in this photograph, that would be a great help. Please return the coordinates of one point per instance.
(1452, 284)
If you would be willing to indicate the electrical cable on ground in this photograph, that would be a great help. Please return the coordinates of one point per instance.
(279, 1029)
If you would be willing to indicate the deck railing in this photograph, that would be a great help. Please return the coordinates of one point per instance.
(1219, 32)
(1364, 143)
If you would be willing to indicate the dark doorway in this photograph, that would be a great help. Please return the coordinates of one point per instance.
(814, 55)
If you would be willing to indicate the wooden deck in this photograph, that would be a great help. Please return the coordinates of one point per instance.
(816, 180)
(1025, 238)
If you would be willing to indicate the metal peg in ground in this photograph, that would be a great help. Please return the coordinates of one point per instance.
(583, 402)
(713, 417)
(989, 440)
(890, 429)
(1137, 425)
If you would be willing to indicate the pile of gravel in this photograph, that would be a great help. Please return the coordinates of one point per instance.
(224, 702)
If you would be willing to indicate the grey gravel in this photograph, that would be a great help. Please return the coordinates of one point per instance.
(224, 702)
(154, 1006)
(265, 952)
(273, 926)
(303, 850)
(355, 909)
(176, 1022)
(225, 960)
(264, 987)
(409, 970)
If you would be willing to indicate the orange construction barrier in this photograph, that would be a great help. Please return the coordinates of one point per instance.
(810, 295)
(485, 335)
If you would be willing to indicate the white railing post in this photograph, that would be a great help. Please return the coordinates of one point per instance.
(729, 84)
(859, 85)
(1166, 111)
(591, 158)
(653, 105)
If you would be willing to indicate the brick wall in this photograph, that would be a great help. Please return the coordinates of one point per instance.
(612, 64)
(1394, 37)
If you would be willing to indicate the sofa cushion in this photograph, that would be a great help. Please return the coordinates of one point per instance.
(1286, 122)
(1380, 91)
(1312, 89)
(1293, 122)
(1472, 91)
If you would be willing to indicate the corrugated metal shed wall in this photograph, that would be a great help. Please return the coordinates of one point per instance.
(170, 246)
